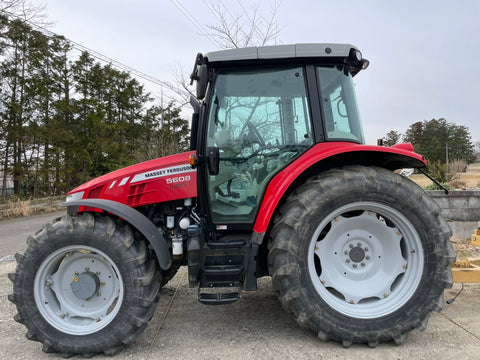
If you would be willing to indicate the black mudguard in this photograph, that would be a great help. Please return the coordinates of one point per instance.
(134, 218)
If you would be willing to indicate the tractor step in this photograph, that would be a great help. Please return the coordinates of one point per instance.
(227, 244)
(218, 299)
(219, 293)
(222, 270)
(222, 274)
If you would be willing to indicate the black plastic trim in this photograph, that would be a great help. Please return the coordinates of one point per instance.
(134, 218)
(315, 105)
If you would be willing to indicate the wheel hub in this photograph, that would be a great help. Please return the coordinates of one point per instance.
(357, 254)
(85, 285)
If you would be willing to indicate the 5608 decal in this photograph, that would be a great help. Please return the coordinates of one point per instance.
(178, 179)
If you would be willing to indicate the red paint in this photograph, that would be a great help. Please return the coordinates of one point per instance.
(280, 183)
(159, 180)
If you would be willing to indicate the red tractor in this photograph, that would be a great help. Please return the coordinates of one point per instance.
(278, 182)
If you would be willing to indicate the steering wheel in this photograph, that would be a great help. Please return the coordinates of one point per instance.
(257, 137)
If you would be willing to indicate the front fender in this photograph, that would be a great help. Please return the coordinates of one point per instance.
(134, 218)
(322, 157)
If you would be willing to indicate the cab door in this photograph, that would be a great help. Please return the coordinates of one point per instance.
(258, 123)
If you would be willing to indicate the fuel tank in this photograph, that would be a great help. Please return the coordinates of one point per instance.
(164, 179)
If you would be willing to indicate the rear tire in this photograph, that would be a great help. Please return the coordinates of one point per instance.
(361, 255)
(85, 286)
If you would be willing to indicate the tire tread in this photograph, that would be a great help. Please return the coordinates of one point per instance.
(284, 250)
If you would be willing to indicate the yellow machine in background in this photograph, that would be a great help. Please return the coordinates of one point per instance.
(465, 270)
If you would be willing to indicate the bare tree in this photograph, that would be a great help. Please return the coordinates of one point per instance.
(33, 14)
(248, 27)
(237, 28)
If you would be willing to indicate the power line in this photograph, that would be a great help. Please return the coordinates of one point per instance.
(244, 11)
(194, 21)
(99, 56)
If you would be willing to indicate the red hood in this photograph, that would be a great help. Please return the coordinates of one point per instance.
(162, 179)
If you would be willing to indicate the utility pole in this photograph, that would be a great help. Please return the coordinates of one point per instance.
(446, 153)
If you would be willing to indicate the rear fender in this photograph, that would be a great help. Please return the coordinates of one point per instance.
(135, 219)
(325, 156)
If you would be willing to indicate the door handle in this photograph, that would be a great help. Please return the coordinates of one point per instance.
(213, 154)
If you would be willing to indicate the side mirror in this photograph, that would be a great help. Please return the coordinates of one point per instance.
(202, 79)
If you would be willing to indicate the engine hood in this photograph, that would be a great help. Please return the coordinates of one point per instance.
(163, 179)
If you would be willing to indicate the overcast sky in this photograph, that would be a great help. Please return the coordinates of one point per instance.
(422, 53)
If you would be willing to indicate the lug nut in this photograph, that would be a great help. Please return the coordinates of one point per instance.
(359, 244)
(87, 268)
(62, 316)
(98, 272)
(99, 293)
(366, 249)
(363, 264)
(350, 246)
(348, 260)
(346, 252)
(77, 273)
(367, 257)
(48, 283)
(354, 266)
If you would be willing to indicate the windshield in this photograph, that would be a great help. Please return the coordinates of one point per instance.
(259, 121)
(339, 105)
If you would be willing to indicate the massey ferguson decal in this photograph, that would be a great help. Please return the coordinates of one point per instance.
(174, 170)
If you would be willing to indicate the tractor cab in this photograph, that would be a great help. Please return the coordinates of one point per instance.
(261, 108)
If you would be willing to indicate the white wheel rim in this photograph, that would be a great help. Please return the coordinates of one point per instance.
(67, 309)
(365, 260)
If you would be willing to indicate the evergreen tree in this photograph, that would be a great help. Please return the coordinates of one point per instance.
(393, 137)
(64, 122)
(435, 137)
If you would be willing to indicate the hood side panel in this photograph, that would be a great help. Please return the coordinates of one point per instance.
(159, 180)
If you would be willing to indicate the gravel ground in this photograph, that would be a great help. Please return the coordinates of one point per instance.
(256, 327)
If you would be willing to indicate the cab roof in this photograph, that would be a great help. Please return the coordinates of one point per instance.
(292, 51)
(315, 52)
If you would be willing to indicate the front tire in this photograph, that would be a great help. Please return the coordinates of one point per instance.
(85, 286)
(361, 255)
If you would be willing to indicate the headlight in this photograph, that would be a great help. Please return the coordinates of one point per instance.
(358, 55)
(75, 196)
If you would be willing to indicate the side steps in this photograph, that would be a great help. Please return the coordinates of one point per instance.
(221, 276)
(222, 268)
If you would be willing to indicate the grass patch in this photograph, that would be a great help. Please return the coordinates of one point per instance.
(16, 207)
(19, 208)
(463, 254)
(436, 187)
